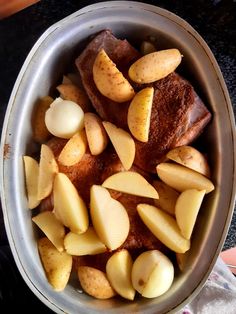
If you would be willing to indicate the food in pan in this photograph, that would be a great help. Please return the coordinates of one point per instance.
(117, 170)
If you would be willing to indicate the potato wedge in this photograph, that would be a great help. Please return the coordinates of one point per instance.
(118, 270)
(190, 157)
(31, 167)
(164, 227)
(139, 114)
(147, 47)
(40, 131)
(86, 243)
(69, 207)
(47, 170)
(109, 217)
(132, 183)
(186, 210)
(155, 66)
(95, 132)
(167, 197)
(74, 149)
(123, 143)
(52, 227)
(74, 93)
(57, 265)
(109, 80)
(182, 178)
(95, 283)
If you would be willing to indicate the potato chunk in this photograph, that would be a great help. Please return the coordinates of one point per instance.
(109, 80)
(57, 264)
(139, 114)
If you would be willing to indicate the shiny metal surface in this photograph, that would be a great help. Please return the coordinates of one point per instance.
(48, 60)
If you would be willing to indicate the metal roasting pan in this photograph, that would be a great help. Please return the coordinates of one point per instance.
(51, 57)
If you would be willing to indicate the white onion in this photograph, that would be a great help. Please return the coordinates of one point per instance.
(64, 118)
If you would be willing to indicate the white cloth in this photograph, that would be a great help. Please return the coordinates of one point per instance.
(218, 296)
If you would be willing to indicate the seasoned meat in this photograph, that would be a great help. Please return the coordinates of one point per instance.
(178, 115)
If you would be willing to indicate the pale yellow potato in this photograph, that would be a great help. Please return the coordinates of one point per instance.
(57, 265)
(95, 283)
(186, 210)
(48, 168)
(52, 228)
(123, 143)
(190, 157)
(40, 131)
(132, 183)
(182, 178)
(69, 207)
(109, 80)
(152, 274)
(86, 243)
(31, 167)
(95, 132)
(155, 66)
(147, 47)
(74, 149)
(69, 91)
(164, 227)
(139, 114)
(109, 218)
(118, 270)
(167, 197)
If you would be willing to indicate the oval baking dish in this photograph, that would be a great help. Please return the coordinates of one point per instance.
(44, 66)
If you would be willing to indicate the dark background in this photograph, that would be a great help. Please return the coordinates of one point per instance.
(214, 20)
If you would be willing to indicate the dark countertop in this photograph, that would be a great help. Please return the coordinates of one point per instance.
(214, 20)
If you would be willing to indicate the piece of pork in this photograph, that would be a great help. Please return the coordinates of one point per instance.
(178, 115)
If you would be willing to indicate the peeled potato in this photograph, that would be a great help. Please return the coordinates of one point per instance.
(95, 132)
(52, 227)
(186, 210)
(164, 227)
(57, 264)
(155, 66)
(190, 157)
(109, 80)
(74, 93)
(69, 207)
(86, 243)
(64, 118)
(40, 131)
(31, 180)
(182, 178)
(167, 197)
(74, 149)
(109, 217)
(139, 114)
(118, 269)
(123, 143)
(48, 168)
(152, 274)
(132, 183)
(95, 283)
